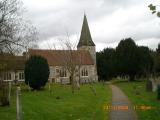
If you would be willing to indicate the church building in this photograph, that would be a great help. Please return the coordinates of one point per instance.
(84, 58)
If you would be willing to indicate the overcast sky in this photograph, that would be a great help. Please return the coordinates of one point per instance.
(109, 21)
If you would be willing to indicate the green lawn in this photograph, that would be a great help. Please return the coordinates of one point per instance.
(144, 99)
(42, 105)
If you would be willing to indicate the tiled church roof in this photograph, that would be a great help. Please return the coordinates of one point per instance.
(11, 62)
(61, 57)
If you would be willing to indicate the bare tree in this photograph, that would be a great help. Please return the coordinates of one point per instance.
(16, 33)
(72, 62)
(4, 66)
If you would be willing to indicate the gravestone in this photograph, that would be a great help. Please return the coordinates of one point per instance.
(149, 86)
(18, 103)
(154, 83)
(158, 92)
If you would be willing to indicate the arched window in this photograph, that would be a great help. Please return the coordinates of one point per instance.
(84, 72)
(63, 73)
(21, 75)
(7, 76)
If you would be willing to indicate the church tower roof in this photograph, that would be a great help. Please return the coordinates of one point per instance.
(85, 38)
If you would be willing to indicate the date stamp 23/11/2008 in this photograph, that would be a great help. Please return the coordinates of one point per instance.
(126, 107)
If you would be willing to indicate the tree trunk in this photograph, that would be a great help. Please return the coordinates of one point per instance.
(72, 83)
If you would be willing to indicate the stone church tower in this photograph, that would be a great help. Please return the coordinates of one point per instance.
(86, 43)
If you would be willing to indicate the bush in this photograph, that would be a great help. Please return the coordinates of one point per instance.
(36, 72)
(158, 91)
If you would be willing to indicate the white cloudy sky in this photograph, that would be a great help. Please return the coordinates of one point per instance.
(109, 21)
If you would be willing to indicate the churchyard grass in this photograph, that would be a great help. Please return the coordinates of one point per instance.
(60, 103)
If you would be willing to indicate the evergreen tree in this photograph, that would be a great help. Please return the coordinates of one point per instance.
(145, 61)
(105, 64)
(158, 49)
(127, 61)
(36, 72)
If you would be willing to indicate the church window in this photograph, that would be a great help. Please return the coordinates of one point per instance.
(21, 75)
(7, 76)
(63, 73)
(57, 70)
(84, 72)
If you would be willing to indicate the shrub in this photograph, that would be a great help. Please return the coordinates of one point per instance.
(36, 72)
(158, 91)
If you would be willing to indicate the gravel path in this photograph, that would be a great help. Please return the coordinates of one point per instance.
(121, 108)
